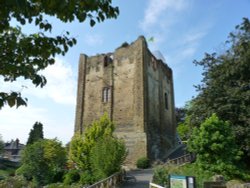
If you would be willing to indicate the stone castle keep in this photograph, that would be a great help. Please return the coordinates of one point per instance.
(136, 90)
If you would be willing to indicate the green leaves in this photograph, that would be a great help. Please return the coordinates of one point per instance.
(36, 133)
(45, 25)
(42, 161)
(215, 146)
(225, 87)
(184, 129)
(97, 153)
(1, 144)
(107, 157)
(12, 99)
(92, 22)
(25, 55)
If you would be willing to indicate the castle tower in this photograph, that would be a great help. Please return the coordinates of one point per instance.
(136, 89)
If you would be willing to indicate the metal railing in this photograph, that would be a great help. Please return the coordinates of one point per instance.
(182, 160)
(153, 185)
(110, 182)
(188, 158)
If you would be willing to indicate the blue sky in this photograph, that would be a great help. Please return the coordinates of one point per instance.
(183, 30)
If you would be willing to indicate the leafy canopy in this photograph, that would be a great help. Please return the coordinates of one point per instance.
(184, 121)
(25, 55)
(225, 88)
(107, 157)
(97, 153)
(36, 133)
(215, 147)
(81, 145)
(184, 129)
(1, 144)
(180, 114)
(42, 161)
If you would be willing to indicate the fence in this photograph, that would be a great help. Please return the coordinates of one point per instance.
(177, 161)
(182, 160)
(115, 179)
(110, 182)
(153, 185)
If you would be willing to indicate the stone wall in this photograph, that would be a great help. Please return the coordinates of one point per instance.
(160, 107)
(80, 94)
(137, 83)
(129, 99)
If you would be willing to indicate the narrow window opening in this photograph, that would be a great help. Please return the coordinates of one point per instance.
(106, 59)
(106, 94)
(166, 101)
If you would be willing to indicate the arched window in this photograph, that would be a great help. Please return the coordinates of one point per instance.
(106, 94)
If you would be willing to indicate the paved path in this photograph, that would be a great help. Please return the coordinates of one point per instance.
(142, 179)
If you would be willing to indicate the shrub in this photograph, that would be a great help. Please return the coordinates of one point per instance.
(160, 176)
(143, 163)
(7, 172)
(215, 147)
(43, 162)
(72, 176)
(80, 145)
(97, 153)
(1, 145)
(16, 182)
(59, 176)
(107, 157)
(87, 178)
(61, 185)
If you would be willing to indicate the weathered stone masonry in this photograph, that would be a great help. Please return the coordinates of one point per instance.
(136, 90)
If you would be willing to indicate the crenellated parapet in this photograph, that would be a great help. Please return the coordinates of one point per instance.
(136, 90)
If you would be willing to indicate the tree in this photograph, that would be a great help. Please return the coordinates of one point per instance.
(81, 145)
(184, 129)
(215, 147)
(42, 161)
(180, 114)
(1, 144)
(24, 55)
(107, 157)
(225, 88)
(85, 153)
(36, 133)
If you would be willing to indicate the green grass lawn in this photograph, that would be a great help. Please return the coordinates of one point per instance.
(7, 168)
(6, 173)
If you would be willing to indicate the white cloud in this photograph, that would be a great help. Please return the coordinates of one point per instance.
(60, 87)
(193, 37)
(16, 123)
(185, 49)
(155, 10)
(46, 105)
(159, 19)
(189, 43)
(163, 19)
(61, 84)
(93, 39)
(188, 52)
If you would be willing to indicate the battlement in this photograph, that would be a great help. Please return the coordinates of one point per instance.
(136, 90)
